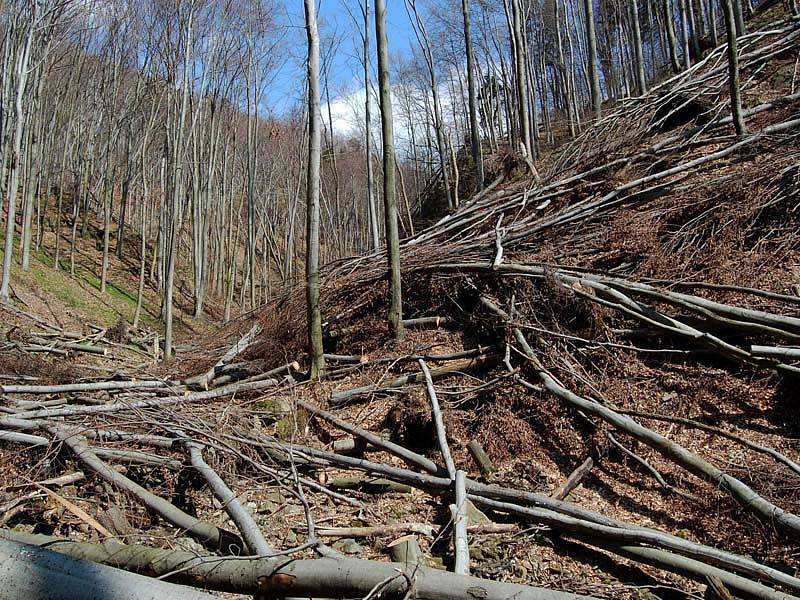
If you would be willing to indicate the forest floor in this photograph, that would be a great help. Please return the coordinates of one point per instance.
(645, 270)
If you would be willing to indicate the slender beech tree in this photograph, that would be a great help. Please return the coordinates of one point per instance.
(29, 23)
(371, 205)
(389, 194)
(637, 45)
(520, 68)
(738, 12)
(314, 315)
(475, 140)
(426, 47)
(684, 12)
(176, 148)
(672, 40)
(594, 74)
(733, 68)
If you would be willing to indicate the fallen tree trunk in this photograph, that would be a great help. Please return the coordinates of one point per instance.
(96, 386)
(281, 577)
(610, 536)
(343, 397)
(32, 573)
(744, 494)
(210, 535)
(411, 458)
(560, 515)
(203, 379)
(251, 534)
(70, 411)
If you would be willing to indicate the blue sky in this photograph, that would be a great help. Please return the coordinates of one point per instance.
(345, 74)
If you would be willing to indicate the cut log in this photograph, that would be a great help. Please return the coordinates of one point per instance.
(32, 573)
(212, 536)
(458, 512)
(251, 534)
(485, 465)
(574, 480)
(275, 578)
(345, 396)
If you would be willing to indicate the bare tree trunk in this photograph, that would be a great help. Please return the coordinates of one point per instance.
(669, 15)
(143, 249)
(712, 18)
(687, 59)
(21, 70)
(475, 140)
(314, 318)
(733, 68)
(694, 30)
(594, 75)
(741, 28)
(637, 44)
(28, 189)
(371, 205)
(36, 573)
(389, 194)
(175, 189)
(521, 78)
(438, 122)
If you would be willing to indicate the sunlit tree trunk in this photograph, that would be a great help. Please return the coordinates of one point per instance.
(521, 78)
(389, 197)
(175, 188)
(21, 79)
(475, 140)
(733, 68)
(314, 318)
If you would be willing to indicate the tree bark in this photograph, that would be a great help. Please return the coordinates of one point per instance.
(594, 75)
(475, 140)
(371, 204)
(733, 68)
(313, 311)
(669, 25)
(276, 578)
(637, 44)
(31, 573)
(21, 78)
(389, 193)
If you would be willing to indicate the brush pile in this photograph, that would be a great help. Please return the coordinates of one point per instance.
(596, 394)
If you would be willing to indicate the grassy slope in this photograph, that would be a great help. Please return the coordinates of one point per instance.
(58, 297)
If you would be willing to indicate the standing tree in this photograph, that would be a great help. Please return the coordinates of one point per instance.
(312, 196)
(594, 75)
(28, 24)
(426, 47)
(733, 68)
(175, 146)
(520, 74)
(669, 25)
(389, 199)
(637, 44)
(738, 12)
(475, 139)
(372, 208)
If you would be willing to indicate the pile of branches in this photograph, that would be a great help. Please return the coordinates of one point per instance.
(568, 303)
